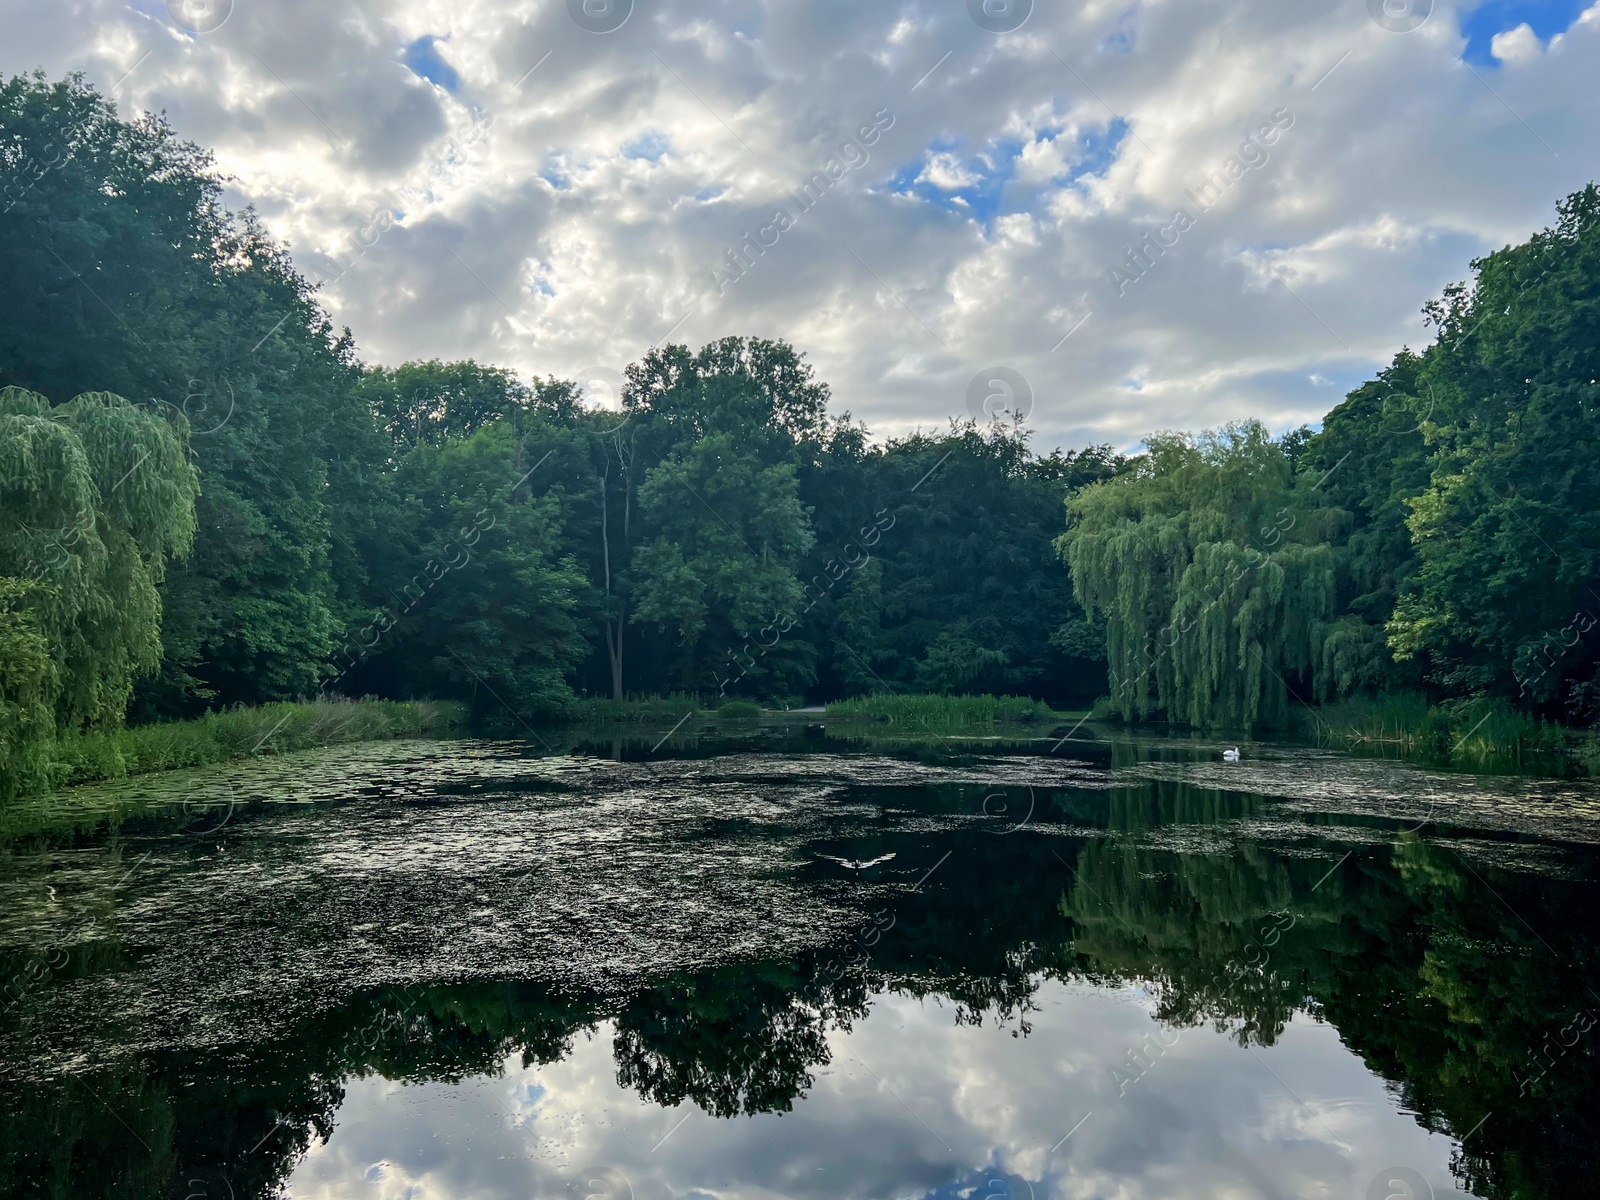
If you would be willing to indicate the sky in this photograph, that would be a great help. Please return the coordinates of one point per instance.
(950, 206)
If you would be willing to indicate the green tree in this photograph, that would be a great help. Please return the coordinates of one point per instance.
(1368, 463)
(1215, 586)
(29, 678)
(489, 609)
(751, 407)
(99, 497)
(727, 535)
(430, 401)
(966, 594)
(1507, 531)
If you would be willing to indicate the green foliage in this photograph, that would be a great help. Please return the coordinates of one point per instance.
(961, 591)
(742, 709)
(431, 402)
(1368, 462)
(29, 679)
(750, 385)
(489, 612)
(323, 515)
(1195, 560)
(728, 536)
(1507, 528)
(200, 308)
(98, 497)
(1390, 717)
(1439, 532)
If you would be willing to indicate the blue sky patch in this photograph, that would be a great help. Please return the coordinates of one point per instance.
(980, 184)
(422, 56)
(972, 185)
(650, 145)
(554, 172)
(1546, 17)
(1097, 151)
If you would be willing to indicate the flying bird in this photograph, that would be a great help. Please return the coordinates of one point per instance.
(859, 865)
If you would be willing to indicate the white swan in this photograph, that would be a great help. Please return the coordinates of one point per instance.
(1231, 755)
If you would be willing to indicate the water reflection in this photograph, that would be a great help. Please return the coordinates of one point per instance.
(463, 970)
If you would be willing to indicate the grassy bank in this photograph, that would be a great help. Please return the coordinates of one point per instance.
(243, 732)
(635, 710)
(1476, 734)
(951, 711)
(650, 710)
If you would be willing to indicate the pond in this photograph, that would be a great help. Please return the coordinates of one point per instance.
(607, 966)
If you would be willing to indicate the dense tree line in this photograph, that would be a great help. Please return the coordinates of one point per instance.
(451, 529)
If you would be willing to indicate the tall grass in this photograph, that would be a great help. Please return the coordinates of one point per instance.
(942, 710)
(1477, 733)
(243, 732)
(1400, 719)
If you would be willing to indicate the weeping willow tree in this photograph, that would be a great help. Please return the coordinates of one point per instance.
(1211, 568)
(97, 495)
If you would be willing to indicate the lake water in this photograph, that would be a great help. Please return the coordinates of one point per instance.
(1109, 967)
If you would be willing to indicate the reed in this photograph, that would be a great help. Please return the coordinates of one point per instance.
(246, 731)
(1475, 734)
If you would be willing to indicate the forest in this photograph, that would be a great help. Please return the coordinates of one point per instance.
(208, 499)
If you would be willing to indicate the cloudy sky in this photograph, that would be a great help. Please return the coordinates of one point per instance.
(557, 185)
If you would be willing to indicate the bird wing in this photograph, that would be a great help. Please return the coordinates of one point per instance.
(872, 862)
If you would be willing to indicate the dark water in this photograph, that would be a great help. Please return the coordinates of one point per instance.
(1123, 969)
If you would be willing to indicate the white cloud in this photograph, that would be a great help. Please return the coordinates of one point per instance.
(1516, 45)
(1401, 165)
(945, 170)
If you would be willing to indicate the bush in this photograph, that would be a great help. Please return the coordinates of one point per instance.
(739, 708)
